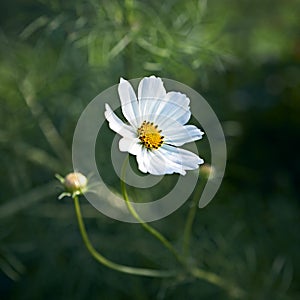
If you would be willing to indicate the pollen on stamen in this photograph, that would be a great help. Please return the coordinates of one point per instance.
(150, 136)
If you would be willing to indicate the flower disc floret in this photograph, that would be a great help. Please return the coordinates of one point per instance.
(150, 136)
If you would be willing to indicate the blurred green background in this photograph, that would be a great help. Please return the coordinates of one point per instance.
(242, 56)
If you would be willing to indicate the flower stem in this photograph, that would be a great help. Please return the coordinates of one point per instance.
(145, 225)
(149, 228)
(194, 271)
(108, 263)
(213, 278)
(190, 220)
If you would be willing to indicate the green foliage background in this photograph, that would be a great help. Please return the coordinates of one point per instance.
(242, 56)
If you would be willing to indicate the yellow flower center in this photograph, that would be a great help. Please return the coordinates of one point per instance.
(150, 136)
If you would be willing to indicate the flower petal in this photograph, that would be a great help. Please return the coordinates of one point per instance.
(117, 125)
(130, 145)
(176, 109)
(142, 159)
(130, 106)
(154, 163)
(180, 159)
(151, 92)
(167, 161)
(177, 135)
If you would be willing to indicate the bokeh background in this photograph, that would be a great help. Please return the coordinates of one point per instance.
(242, 56)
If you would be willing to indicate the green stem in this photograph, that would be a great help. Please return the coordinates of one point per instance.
(149, 228)
(145, 225)
(104, 261)
(190, 220)
(213, 278)
(194, 271)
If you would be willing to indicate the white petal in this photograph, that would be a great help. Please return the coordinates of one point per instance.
(167, 160)
(155, 163)
(117, 125)
(142, 159)
(177, 135)
(130, 145)
(130, 106)
(176, 108)
(160, 164)
(151, 92)
(152, 162)
(180, 159)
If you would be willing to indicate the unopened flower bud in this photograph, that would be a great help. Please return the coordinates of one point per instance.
(74, 184)
(206, 170)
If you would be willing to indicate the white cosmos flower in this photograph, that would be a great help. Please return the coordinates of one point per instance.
(156, 127)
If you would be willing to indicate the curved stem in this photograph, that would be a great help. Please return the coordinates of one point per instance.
(145, 225)
(149, 228)
(213, 278)
(104, 261)
(194, 271)
(190, 220)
